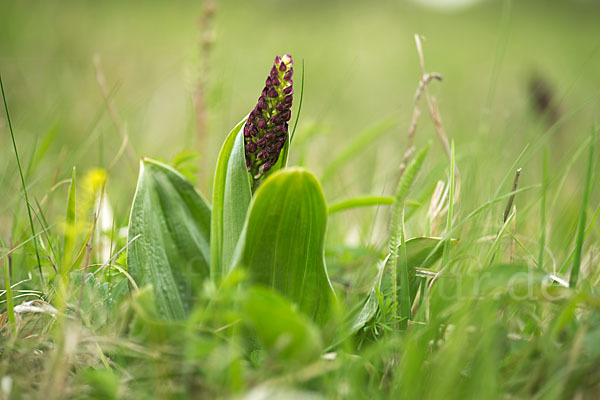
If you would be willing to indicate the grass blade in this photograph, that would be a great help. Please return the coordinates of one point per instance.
(70, 221)
(10, 310)
(395, 226)
(450, 207)
(12, 136)
(582, 217)
(545, 181)
(299, 104)
(366, 201)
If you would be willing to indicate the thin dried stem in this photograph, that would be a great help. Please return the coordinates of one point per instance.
(511, 199)
(119, 125)
(206, 43)
(431, 102)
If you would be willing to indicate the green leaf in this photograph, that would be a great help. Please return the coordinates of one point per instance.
(399, 258)
(281, 329)
(170, 233)
(421, 252)
(70, 227)
(283, 241)
(231, 198)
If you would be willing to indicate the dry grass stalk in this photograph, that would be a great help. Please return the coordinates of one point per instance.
(119, 125)
(207, 38)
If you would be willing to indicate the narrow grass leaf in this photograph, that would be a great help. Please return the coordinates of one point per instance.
(582, 217)
(366, 201)
(24, 186)
(396, 225)
(70, 226)
(421, 252)
(445, 254)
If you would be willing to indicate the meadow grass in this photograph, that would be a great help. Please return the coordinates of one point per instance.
(511, 309)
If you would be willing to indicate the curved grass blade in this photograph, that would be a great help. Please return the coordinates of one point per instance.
(583, 215)
(366, 201)
(283, 242)
(70, 226)
(172, 251)
(27, 203)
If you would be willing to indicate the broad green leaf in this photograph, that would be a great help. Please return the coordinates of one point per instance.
(170, 232)
(231, 198)
(282, 246)
(281, 329)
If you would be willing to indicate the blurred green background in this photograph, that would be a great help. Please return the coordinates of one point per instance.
(361, 67)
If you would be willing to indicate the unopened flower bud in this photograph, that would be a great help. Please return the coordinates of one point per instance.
(251, 147)
(262, 103)
(275, 118)
(267, 166)
(288, 75)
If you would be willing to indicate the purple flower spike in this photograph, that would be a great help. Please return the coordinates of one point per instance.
(265, 132)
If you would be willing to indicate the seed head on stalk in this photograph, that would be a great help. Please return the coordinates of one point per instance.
(266, 129)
